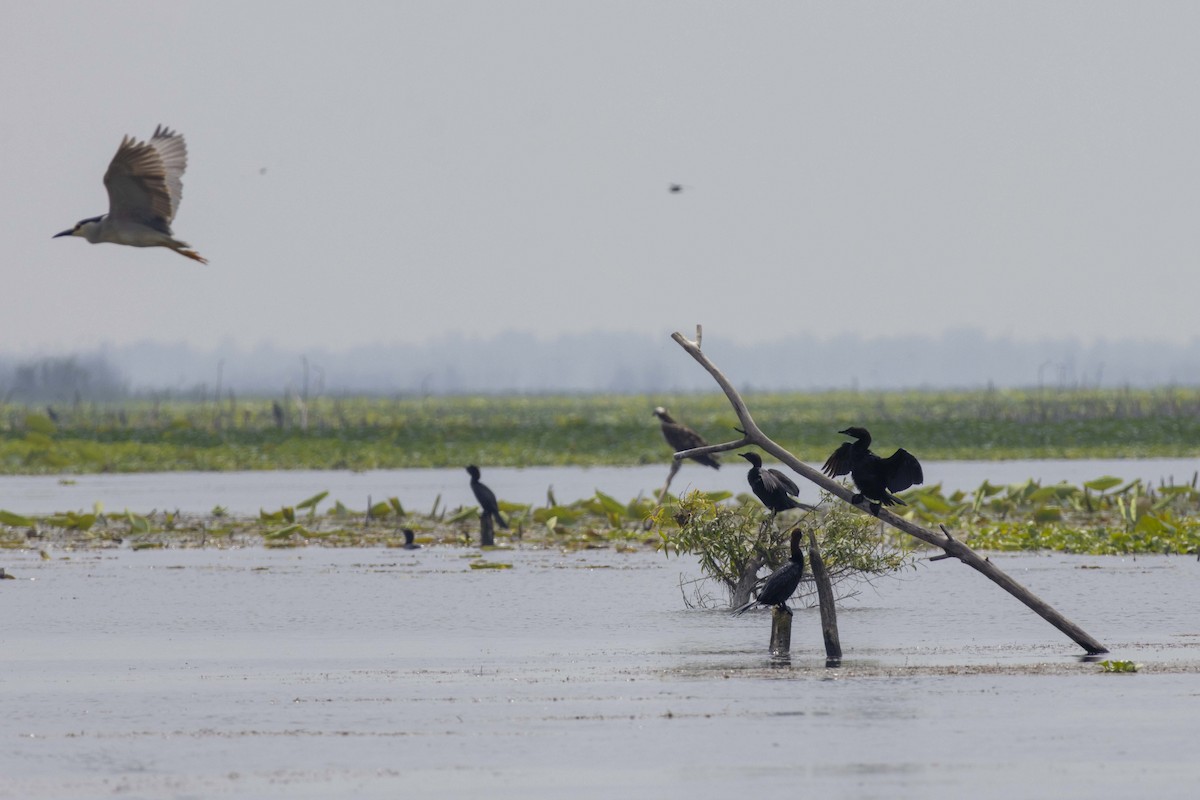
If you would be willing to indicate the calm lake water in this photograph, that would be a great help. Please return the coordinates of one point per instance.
(385, 673)
(247, 492)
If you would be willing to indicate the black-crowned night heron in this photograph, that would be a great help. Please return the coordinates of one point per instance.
(144, 189)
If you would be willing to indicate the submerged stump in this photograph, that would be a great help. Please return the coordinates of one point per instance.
(829, 630)
(487, 530)
(781, 631)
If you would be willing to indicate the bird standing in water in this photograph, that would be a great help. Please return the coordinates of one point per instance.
(681, 437)
(409, 544)
(776, 490)
(144, 183)
(488, 507)
(875, 477)
(782, 583)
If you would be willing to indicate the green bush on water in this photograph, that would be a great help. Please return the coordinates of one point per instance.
(733, 541)
(585, 430)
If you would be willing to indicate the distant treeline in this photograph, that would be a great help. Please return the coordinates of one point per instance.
(611, 363)
(70, 379)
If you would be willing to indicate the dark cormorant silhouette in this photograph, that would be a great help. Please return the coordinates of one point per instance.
(676, 188)
(681, 437)
(782, 583)
(875, 477)
(409, 544)
(486, 498)
(776, 490)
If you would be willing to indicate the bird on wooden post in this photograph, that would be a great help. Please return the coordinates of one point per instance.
(776, 491)
(783, 581)
(874, 477)
(144, 183)
(489, 509)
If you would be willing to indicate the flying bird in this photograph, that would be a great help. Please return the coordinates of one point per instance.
(681, 437)
(782, 583)
(875, 477)
(144, 183)
(776, 490)
(488, 507)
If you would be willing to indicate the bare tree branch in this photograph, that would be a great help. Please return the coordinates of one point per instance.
(952, 547)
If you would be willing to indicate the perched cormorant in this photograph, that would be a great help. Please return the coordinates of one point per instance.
(486, 498)
(776, 490)
(875, 477)
(782, 583)
(681, 437)
(409, 544)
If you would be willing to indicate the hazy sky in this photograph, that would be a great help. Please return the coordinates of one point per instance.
(1026, 169)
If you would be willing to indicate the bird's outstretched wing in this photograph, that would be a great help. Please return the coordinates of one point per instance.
(144, 179)
(902, 470)
(838, 462)
(773, 478)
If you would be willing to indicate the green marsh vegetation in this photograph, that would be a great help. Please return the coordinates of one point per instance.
(1104, 516)
(586, 430)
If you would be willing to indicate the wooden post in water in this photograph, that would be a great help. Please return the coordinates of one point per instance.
(781, 631)
(487, 533)
(833, 645)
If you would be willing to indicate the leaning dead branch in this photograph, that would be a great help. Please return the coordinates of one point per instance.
(952, 548)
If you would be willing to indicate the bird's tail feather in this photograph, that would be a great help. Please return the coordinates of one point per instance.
(737, 612)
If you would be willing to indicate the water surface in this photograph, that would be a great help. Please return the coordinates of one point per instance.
(375, 673)
(418, 489)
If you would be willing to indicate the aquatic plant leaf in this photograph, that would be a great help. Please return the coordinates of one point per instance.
(1102, 484)
(137, 523)
(931, 501)
(1109, 665)
(380, 510)
(1154, 526)
(285, 531)
(489, 565)
(1048, 514)
(565, 514)
(466, 513)
(15, 520)
(313, 501)
(394, 502)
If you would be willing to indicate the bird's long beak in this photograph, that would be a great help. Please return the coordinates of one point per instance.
(847, 431)
(64, 233)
